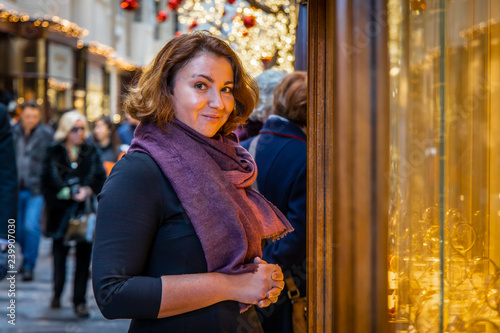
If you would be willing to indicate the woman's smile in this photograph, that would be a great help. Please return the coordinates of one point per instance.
(210, 117)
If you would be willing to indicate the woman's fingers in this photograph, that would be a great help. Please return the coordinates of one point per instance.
(264, 302)
(273, 299)
(272, 278)
(275, 292)
(278, 285)
(258, 260)
(277, 275)
(267, 301)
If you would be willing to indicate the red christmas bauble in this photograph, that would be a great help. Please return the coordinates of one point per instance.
(231, 2)
(174, 4)
(267, 60)
(129, 5)
(249, 21)
(162, 16)
(177, 34)
(193, 25)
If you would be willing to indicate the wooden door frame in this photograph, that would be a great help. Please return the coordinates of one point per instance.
(348, 165)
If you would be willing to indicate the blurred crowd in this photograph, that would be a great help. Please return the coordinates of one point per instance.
(48, 176)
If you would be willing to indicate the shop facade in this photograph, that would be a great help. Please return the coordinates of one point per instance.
(39, 65)
(403, 156)
(93, 92)
(44, 60)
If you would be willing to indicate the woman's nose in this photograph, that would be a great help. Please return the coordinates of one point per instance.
(215, 101)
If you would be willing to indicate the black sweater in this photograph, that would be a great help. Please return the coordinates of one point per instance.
(143, 233)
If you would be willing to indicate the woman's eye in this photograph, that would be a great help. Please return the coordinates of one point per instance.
(200, 86)
(227, 90)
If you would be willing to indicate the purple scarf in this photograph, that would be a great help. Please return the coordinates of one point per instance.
(212, 178)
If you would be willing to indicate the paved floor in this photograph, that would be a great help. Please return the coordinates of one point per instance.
(32, 300)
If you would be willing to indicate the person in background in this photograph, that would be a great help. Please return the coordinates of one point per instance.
(7, 99)
(8, 186)
(126, 130)
(31, 139)
(280, 152)
(104, 136)
(179, 229)
(266, 81)
(72, 171)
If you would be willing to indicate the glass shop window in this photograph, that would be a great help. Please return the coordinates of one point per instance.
(444, 227)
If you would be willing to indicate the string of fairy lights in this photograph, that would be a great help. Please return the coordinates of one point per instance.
(70, 29)
(261, 32)
(53, 23)
(262, 38)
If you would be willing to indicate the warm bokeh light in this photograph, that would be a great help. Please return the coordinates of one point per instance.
(54, 23)
(261, 39)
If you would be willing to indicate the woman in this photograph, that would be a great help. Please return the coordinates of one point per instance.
(281, 155)
(72, 171)
(107, 141)
(179, 229)
(105, 138)
(266, 81)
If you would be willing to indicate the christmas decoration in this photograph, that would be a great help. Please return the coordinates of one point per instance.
(70, 29)
(193, 25)
(262, 32)
(267, 60)
(129, 5)
(110, 54)
(177, 34)
(249, 21)
(174, 4)
(162, 16)
(52, 23)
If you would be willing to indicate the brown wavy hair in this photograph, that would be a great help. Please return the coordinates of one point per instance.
(150, 100)
(290, 98)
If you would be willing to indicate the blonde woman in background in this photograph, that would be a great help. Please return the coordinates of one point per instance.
(72, 171)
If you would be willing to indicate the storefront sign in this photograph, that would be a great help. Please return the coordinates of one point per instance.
(95, 95)
(61, 62)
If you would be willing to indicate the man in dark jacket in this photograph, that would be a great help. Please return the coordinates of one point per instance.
(8, 186)
(280, 151)
(31, 139)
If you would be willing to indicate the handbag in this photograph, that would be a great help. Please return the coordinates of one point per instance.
(299, 305)
(81, 224)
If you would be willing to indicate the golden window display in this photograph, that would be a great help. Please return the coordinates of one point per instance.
(444, 227)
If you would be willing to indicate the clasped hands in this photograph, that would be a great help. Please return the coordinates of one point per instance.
(276, 282)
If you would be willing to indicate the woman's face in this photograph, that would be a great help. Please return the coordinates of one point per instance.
(101, 130)
(203, 93)
(76, 134)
